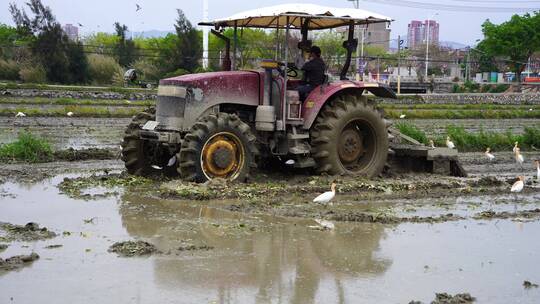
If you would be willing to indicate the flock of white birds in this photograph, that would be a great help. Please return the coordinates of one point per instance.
(327, 197)
(21, 114)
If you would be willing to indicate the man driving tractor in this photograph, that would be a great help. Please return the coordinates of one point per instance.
(313, 73)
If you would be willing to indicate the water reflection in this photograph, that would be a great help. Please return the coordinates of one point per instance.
(268, 258)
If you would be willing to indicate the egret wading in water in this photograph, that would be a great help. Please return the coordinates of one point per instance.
(327, 196)
(515, 147)
(518, 185)
(537, 163)
(20, 114)
(489, 155)
(519, 157)
(449, 143)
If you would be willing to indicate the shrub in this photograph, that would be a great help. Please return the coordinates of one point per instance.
(147, 70)
(27, 147)
(9, 70)
(178, 72)
(103, 69)
(33, 74)
(500, 88)
(412, 131)
(531, 137)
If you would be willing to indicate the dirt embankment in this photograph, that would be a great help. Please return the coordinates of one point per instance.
(27, 233)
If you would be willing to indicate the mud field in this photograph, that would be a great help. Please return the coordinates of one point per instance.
(93, 132)
(99, 235)
(83, 231)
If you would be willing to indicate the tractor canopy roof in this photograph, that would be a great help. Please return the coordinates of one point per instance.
(321, 17)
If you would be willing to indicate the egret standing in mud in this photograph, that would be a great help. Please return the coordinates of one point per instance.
(431, 143)
(537, 163)
(327, 196)
(489, 155)
(518, 185)
(519, 157)
(449, 143)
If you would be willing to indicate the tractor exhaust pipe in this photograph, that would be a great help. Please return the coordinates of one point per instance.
(351, 45)
(226, 63)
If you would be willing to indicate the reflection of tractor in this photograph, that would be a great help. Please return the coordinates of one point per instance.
(221, 124)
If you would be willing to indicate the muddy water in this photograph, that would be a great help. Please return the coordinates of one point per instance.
(260, 258)
(67, 132)
(79, 133)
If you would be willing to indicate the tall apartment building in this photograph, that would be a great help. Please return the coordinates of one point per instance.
(417, 32)
(71, 31)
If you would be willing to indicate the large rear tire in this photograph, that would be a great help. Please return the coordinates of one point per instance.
(217, 146)
(350, 137)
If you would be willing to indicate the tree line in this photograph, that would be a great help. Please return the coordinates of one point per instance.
(38, 50)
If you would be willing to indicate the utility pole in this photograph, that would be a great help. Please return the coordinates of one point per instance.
(205, 35)
(359, 53)
(399, 65)
(427, 44)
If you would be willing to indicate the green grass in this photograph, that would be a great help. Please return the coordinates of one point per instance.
(446, 106)
(412, 131)
(78, 111)
(464, 114)
(28, 148)
(74, 101)
(468, 141)
(34, 86)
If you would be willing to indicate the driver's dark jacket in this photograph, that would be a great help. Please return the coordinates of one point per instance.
(314, 71)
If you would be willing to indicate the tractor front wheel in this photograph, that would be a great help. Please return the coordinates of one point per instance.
(217, 146)
(350, 137)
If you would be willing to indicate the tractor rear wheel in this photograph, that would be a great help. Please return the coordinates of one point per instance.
(217, 146)
(350, 137)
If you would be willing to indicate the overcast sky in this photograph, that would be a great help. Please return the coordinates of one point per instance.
(99, 15)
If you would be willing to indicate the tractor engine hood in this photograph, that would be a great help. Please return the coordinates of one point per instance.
(182, 100)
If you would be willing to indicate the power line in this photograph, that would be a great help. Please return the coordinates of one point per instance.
(450, 7)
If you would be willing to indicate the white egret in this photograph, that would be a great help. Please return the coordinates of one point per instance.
(69, 114)
(515, 147)
(519, 158)
(537, 163)
(489, 155)
(326, 225)
(431, 143)
(449, 143)
(402, 116)
(518, 185)
(327, 196)
(20, 114)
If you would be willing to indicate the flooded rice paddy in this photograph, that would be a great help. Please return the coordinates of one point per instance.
(209, 254)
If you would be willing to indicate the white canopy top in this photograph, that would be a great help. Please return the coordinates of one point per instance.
(321, 17)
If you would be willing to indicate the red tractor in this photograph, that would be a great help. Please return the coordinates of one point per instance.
(222, 124)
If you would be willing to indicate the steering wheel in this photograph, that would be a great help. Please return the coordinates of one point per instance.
(292, 71)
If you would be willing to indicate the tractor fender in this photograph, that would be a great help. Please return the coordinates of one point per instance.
(321, 94)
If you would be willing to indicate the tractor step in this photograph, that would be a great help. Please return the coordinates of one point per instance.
(305, 162)
(292, 136)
